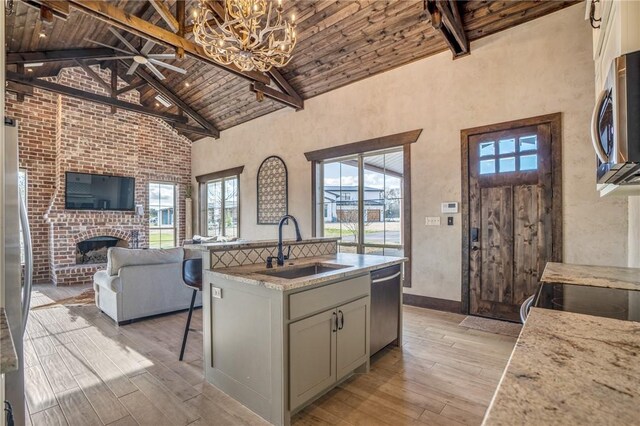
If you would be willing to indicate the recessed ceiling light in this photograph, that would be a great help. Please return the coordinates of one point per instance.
(157, 104)
(29, 70)
(186, 84)
(164, 101)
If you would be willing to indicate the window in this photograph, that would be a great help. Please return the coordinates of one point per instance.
(222, 207)
(362, 198)
(509, 155)
(162, 215)
(22, 190)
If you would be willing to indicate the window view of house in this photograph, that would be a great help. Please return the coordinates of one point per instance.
(162, 211)
(222, 207)
(374, 225)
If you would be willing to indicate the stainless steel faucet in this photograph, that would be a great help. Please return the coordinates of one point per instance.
(281, 257)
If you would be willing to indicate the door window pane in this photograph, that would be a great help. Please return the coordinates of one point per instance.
(507, 146)
(529, 162)
(528, 143)
(487, 166)
(487, 149)
(507, 164)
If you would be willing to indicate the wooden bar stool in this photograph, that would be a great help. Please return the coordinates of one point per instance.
(192, 277)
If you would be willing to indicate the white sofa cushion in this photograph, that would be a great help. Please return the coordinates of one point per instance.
(118, 257)
(112, 282)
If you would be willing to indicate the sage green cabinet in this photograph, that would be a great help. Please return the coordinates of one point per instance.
(325, 348)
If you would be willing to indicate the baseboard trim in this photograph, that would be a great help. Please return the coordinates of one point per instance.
(432, 303)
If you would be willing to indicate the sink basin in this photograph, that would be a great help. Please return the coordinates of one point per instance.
(293, 272)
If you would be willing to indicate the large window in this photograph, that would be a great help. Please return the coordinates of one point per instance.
(361, 200)
(222, 207)
(162, 215)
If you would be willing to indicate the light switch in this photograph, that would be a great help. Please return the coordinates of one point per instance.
(432, 221)
(216, 293)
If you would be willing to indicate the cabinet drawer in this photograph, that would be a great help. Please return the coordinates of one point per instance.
(329, 296)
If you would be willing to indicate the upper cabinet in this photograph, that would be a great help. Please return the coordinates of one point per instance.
(618, 33)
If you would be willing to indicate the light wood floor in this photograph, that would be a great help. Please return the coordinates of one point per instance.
(83, 370)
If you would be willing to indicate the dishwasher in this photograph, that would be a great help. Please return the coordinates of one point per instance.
(386, 291)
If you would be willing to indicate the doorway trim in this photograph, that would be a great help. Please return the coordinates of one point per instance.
(555, 124)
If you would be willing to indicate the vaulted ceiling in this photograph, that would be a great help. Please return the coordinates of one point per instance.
(339, 42)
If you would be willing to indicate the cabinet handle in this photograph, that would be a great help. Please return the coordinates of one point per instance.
(335, 322)
(341, 320)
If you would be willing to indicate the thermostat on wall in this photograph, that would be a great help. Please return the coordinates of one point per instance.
(450, 207)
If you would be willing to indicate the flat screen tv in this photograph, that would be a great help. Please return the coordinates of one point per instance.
(86, 191)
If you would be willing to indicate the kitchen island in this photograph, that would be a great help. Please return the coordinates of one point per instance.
(276, 339)
(576, 368)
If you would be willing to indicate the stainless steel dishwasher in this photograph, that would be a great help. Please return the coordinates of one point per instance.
(386, 290)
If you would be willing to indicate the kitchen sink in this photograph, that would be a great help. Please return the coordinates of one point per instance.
(293, 272)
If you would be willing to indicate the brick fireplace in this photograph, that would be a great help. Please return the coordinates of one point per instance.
(59, 134)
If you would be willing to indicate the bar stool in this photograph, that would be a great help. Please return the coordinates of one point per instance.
(192, 277)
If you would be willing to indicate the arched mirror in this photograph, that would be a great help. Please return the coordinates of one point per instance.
(272, 191)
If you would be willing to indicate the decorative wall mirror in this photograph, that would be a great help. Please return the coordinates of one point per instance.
(273, 199)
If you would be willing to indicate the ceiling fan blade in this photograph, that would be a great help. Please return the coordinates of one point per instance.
(112, 58)
(168, 66)
(132, 69)
(122, 39)
(110, 47)
(147, 47)
(162, 56)
(155, 70)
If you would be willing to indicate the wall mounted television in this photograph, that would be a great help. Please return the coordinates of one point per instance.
(84, 191)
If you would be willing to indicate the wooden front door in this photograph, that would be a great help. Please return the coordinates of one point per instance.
(512, 181)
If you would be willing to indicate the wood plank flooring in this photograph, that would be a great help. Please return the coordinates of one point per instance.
(81, 369)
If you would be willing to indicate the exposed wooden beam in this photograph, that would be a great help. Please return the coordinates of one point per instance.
(91, 97)
(117, 17)
(114, 85)
(180, 16)
(94, 75)
(169, 94)
(185, 128)
(446, 18)
(163, 10)
(58, 8)
(269, 92)
(284, 85)
(132, 86)
(19, 89)
(60, 55)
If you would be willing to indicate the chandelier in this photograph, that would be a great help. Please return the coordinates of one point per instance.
(253, 34)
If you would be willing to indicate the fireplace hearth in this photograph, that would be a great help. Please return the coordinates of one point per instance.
(94, 250)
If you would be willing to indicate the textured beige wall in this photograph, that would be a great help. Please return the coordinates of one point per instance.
(634, 232)
(541, 67)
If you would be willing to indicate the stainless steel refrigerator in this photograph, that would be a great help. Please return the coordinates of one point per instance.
(17, 277)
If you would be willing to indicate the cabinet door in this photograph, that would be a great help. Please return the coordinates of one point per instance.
(353, 336)
(312, 356)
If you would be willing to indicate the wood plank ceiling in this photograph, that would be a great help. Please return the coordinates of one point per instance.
(339, 42)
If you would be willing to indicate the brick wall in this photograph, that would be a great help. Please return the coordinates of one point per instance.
(60, 134)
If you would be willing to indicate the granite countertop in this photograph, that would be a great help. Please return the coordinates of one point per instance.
(356, 265)
(594, 276)
(570, 368)
(243, 244)
(8, 357)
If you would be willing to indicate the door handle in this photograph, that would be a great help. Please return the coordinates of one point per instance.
(335, 322)
(341, 318)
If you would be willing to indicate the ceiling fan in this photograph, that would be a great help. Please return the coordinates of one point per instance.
(142, 56)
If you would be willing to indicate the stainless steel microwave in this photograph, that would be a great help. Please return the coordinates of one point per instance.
(615, 123)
